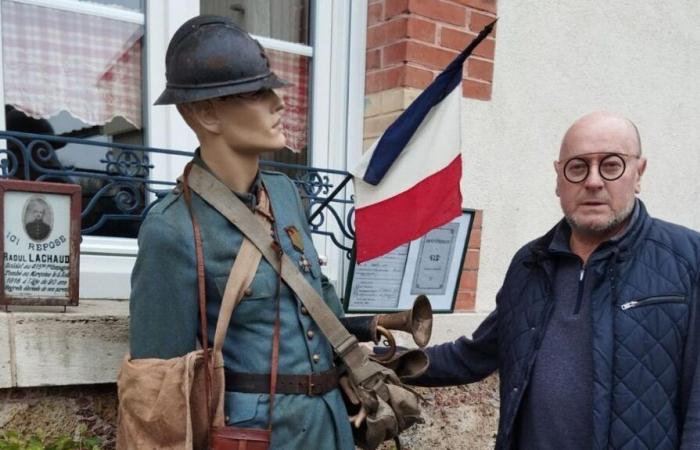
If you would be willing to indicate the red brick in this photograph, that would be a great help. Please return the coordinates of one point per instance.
(439, 10)
(480, 69)
(397, 76)
(422, 30)
(466, 301)
(478, 21)
(471, 260)
(467, 281)
(386, 33)
(380, 80)
(416, 77)
(478, 219)
(486, 49)
(393, 8)
(483, 5)
(375, 13)
(475, 239)
(429, 56)
(373, 59)
(394, 54)
(458, 40)
(476, 90)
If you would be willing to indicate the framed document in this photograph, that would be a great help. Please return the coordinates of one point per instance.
(41, 243)
(430, 265)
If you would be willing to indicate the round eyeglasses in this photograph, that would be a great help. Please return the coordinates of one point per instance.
(610, 167)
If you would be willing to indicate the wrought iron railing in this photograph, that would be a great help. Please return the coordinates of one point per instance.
(118, 193)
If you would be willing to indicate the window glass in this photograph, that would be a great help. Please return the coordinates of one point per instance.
(133, 5)
(286, 20)
(75, 74)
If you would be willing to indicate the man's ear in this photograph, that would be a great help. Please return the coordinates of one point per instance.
(556, 169)
(641, 167)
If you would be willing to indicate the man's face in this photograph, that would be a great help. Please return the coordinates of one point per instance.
(596, 206)
(252, 123)
(36, 212)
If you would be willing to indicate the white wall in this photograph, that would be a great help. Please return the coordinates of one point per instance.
(556, 61)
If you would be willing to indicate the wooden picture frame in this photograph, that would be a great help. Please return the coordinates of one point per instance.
(40, 245)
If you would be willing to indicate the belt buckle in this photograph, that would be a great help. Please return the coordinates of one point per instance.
(310, 385)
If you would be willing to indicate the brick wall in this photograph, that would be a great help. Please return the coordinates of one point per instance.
(408, 43)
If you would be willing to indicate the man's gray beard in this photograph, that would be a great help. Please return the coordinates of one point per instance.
(602, 229)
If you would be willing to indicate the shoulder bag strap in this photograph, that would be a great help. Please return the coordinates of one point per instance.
(345, 344)
(240, 277)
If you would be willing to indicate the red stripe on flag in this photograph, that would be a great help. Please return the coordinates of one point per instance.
(434, 201)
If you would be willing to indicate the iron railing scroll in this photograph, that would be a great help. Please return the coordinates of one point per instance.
(119, 190)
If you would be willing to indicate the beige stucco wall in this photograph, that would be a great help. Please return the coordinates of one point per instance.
(554, 62)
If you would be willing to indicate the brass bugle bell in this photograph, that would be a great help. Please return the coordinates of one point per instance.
(418, 321)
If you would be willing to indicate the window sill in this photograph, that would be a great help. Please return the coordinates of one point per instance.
(86, 344)
(47, 347)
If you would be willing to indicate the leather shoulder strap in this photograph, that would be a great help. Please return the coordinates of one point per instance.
(218, 196)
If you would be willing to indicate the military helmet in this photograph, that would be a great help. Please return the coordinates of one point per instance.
(210, 56)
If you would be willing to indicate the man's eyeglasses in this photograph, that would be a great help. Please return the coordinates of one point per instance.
(611, 167)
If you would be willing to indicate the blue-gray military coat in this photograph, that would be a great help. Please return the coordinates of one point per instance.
(164, 313)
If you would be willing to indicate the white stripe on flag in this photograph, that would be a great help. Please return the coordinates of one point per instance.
(433, 147)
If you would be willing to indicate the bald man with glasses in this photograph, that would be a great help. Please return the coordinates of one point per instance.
(596, 332)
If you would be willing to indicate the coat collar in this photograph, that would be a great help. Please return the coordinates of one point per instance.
(541, 248)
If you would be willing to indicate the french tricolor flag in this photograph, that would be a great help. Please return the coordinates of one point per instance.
(408, 182)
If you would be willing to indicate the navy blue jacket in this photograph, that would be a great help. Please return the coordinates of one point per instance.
(646, 338)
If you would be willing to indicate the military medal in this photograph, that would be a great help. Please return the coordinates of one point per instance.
(304, 264)
(298, 244)
(295, 237)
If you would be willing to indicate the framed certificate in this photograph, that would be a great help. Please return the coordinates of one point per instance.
(41, 243)
(430, 265)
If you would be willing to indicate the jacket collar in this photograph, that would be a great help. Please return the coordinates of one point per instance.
(541, 248)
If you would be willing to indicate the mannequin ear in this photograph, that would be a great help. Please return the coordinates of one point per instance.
(201, 115)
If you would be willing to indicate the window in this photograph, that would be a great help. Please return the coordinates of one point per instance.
(282, 27)
(73, 68)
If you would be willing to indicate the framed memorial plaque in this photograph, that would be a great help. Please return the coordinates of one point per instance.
(41, 243)
(430, 265)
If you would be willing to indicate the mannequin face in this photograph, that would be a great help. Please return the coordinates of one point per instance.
(250, 123)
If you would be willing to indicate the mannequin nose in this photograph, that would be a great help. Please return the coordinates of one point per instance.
(277, 103)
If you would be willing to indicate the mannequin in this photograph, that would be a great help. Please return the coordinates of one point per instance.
(227, 98)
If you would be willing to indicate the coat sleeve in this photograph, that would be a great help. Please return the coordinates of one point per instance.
(690, 437)
(163, 305)
(464, 360)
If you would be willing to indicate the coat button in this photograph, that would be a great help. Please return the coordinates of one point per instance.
(248, 292)
(316, 357)
(304, 310)
(310, 334)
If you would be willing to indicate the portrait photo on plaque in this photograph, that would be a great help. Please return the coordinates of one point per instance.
(41, 243)
(430, 265)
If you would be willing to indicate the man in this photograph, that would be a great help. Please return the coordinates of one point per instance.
(220, 80)
(35, 226)
(596, 331)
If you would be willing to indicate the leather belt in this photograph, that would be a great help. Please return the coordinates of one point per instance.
(259, 383)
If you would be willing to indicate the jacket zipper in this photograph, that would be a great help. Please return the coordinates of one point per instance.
(653, 300)
(579, 297)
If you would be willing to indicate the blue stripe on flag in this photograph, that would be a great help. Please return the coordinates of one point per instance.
(399, 133)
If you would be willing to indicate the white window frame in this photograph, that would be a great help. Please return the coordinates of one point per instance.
(105, 262)
(338, 30)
